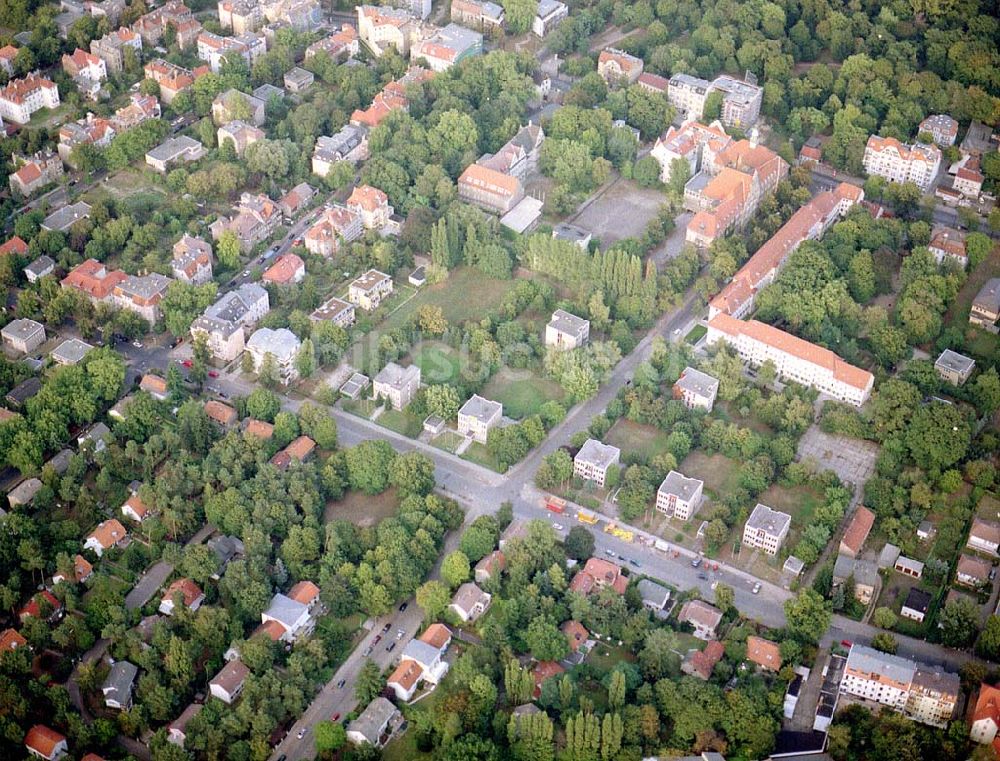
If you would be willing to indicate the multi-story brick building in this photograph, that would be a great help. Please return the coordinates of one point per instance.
(35, 172)
(489, 189)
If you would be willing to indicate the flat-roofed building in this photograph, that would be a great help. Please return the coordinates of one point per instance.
(23, 335)
(942, 128)
(679, 496)
(566, 330)
(548, 16)
(478, 416)
(594, 460)
(954, 367)
(766, 529)
(986, 305)
(448, 47)
(282, 345)
(369, 290)
(334, 310)
(174, 150)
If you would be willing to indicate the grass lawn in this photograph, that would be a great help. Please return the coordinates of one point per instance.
(438, 362)
(988, 507)
(404, 747)
(521, 392)
(448, 441)
(720, 474)
(362, 509)
(696, 334)
(605, 657)
(644, 442)
(479, 454)
(401, 422)
(467, 294)
(361, 407)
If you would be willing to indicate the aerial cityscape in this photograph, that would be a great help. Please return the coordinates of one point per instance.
(534, 380)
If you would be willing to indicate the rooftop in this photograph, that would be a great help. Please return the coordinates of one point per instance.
(773, 522)
(373, 719)
(697, 382)
(565, 322)
(71, 351)
(282, 343)
(482, 409)
(598, 454)
(952, 360)
(680, 485)
(397, 376)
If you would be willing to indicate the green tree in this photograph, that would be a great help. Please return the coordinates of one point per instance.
(724, 596)
(544, 639)
(305, 360)
(938, 436)
(433, 597)
(267, 372)
(368, 466)
(680, 173)
(616, 690)
(518, 683)
(988, 645)
(412, 473)
(959, 622)
(579, 543)
(885, 642)
(263, 404)
(519, 14)
(884, 618)
(455, 569)
(369, 683)
(329, 736)
(442, 400)
(807, 615)
(227, 249)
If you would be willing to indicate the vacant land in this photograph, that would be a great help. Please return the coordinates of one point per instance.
(622, 211)
(448, 441)
(401, 422)
(438, 362)
(641, 441)
(521, 392)
(362, 509)
(480, 455)
(853, 460)
(467, 294)
(719, 473)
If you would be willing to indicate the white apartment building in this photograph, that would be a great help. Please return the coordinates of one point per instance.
(679, 496)
(397, 384)
(382, 27)
(887, 157)
(686, 142)
(741, 100)
(22, 97)
(766, 529)
(793, 358)
(548, 16)
(566, 330)
(696, 389)
(594, 460)
(368, 290)
(942, 128)
(282, 344)
(687, 94)
(478, 416)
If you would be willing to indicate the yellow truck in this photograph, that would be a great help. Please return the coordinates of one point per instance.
(621, 533)
(585, 516)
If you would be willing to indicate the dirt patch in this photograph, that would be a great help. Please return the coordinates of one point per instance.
(361, 509)
(623, 210)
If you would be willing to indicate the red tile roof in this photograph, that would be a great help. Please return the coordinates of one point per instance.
(108, 533)
(406, 674)
(10, 639)
(764, 653)
(14, 246)
(43, 740)
(34, 609)
(259, 429)
(484, 178)
(858, 529)
(437, 635)
(304, 592)
(219, 412)
(190, 591)
(301, 448)
(94, 279)
(368, 198)
(702, 662)
(576, 633)
(284, 270)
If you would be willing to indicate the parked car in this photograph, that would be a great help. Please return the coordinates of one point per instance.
(756, 588)
(378, 638)
(301, 733)
(400, 633)
(609, 553)
(391, 647)
(368, 651)
(212, 374)
(696, 561)
(340, 685)
(557, 526)
(634, 562)
(188, 364)
(386, 628)
(403, 606)
(335, 717)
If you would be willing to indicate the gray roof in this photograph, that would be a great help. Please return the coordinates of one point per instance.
(60, 461)
(118, 685)
(285, 610)
(547, 7)
(373, 719)
(681, 485)
(698, 382)
(225, 548)
(887, 558)
(844, 567)
(24, 390)
(566, 322)
(396, 376)
(63, 218)
(264, 92)
(337, 146)
(71, 351)
(601, 455)
(173, 147)
(482, 409)
(468, 595)
(96, 431)
(234, 306)
(690, 81)
(952, 360)
(773, 522)
(299, 76)
(331, 308)
(989, 295)
(145, 286)
(252, 101)
(212, 325)
(793, 565)
(420, 651)
(24, 492)
(282, 343)
(909, 563)
(736, 88)
(869, 661)
(22, 329)
(865, 572)
(42, 265)
(652, 592)
(456, 37)
(571, 233)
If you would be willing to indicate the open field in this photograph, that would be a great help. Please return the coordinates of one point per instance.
(448, 441)
(623, 210)
(438, 362)
(642, 441)
(521, 392)
(696, 334)
(478, 454)
(401, 422)
(361, 509)
(467, 294)
(719, 473)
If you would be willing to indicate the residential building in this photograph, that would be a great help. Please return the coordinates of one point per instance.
(26, 491)
(688, 142)
(375, 724)
(183, 591)
(228, 548)
(298, 79)
(7, 55)
(296, 200)
(333, 225)
(687, 94)
(20, 98)
(858, 528)
(942, 128)
(349, 144)
(44, 742)
(240, 134)
(863, 572)
(286, 270)
(422, 660)
(293, 616)
(372, 205)
(701, 663)
(920, 693)
(227, 685)
(447, 47)
(654, 596)
(233, 104)
(213, 49)
(397, 384)
(282, 345)
(470, 602)
(90, 130)
(483, 15)
(174, 14)
(108, 534)
(576, 634)
(224, 322)
(489, 189)
(96, 437)
(741, 101)
(490, 566)
(897, 162)
(23, 335)
(972, 571)
(696, 389)
(70, 352)
(969, 181)
(192, 260)
(40, 604)
(299, 450)
(256, 219)
(87, 71)
(334, 310)
(478, 416)
(35, 172)
(174, 150)
(15, 246)
(986, 305)
(10, 640)
(518, 156)
(986, 717)
(679, 496)
(794, 359)
(18, 396)
(598, 573)
(117, 687)
(653, 83)
(766, 529)
(566, 331)
(177, 729)
(369, 290)
(340, 46)
(111, 48)
(135, 509)
(953, 367)
(984, 536)
(703, 617)
(548, 16)
(405, 680)
(142, 294)
(594, 460)
(392, 97)
(948, 244)
(62, 219)
(916, 605)
(764, 653)
(383, 27)
(240, 16)
(618, 67)
(139, 109)
(812, 150)
(42, 266)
